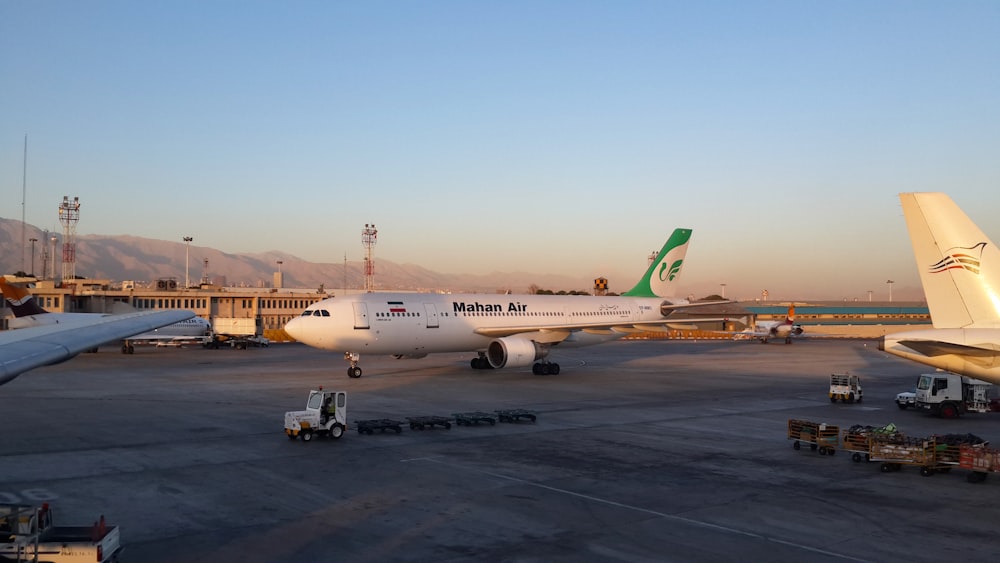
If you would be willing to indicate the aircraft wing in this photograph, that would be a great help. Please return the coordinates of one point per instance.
(28, 348)
(942, 348)
(558, 333)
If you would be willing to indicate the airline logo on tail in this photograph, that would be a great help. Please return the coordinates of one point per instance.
(960, 258)
(671, 273)
(20, 300)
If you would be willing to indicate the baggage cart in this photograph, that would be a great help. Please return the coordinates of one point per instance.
(980, 459)
(857, 439)
(470, 418)
(515, 415)
(422, 422)
(381, 424)
(820, 436)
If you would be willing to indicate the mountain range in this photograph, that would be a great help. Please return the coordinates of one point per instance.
(126, 257)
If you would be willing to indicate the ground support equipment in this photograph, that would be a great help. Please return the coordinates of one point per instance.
(515, 415)
(380, 424)
(422, 422)
(470, 418)
(926, 453)
(821, 436)
(857, 439)
(980, 460)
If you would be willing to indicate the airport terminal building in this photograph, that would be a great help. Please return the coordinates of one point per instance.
(276, 306)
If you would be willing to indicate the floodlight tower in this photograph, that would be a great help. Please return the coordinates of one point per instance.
(69, 216)
(369, 236)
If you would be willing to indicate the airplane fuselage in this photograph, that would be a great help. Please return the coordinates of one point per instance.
(416, 324)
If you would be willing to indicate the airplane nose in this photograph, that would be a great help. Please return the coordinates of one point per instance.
(293, 328)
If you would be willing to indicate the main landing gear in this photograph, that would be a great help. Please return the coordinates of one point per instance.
(480, 362)
(353, 371)
(545, 368)
(538, 368)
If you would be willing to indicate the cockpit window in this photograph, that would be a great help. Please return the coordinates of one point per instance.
(325, 313)
(307, 313)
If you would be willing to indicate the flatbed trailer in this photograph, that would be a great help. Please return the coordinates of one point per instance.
(381, 424)
(471, 418)
(980, 460)
(820, 436)
(515, 415)
(422, 422)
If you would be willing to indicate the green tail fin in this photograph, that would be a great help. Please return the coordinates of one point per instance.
(660, 279)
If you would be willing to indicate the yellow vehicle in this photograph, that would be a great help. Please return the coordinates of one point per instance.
(845, 387)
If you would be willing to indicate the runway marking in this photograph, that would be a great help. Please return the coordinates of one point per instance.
(664, 515)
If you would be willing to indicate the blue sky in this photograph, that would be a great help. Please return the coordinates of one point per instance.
(534, 136)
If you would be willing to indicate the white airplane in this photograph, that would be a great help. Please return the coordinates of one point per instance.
(28, 313)
(28, 348)
(765, 330)
(506, 330)
(960, 273)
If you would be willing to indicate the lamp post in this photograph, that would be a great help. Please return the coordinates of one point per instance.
(890, 282)
(187, 255)
(33, 241)
(279, 266)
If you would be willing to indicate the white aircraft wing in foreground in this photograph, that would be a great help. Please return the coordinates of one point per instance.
(29, 348)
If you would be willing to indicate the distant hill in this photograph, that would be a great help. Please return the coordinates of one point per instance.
(127, 257)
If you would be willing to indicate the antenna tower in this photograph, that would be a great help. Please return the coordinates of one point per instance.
(69, 216)
(369, 236)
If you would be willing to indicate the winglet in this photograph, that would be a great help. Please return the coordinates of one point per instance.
(20, 300)
(661, 277)
(959, 266)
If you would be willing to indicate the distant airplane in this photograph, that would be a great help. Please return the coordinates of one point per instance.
(28, 313)
(765, 330)
(960, 273)
(506, 331)
(28, 348)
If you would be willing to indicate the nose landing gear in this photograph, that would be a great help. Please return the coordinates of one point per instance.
(353, 371)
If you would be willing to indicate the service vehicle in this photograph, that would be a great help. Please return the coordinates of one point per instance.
(906, 399)
(28, 533)
(238, 332)
(950, 395)
(845, 387)
(325, 415)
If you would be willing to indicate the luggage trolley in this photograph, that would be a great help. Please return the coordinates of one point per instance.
(926, 453)
(857, 439)
(979, 459)
(820, 436)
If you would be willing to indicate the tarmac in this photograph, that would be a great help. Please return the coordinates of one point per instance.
(641, 451)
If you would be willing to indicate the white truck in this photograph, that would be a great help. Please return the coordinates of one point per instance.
(27, 533)
(325, 415)
(845, 387)
(949, 395)
(238, 332)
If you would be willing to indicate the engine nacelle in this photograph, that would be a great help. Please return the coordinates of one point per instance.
(514, 352)
(796, 329)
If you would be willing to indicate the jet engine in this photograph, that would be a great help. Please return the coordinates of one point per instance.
(796, 329)
(514, 352)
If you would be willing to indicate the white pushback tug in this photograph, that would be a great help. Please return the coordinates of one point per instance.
(325, 415)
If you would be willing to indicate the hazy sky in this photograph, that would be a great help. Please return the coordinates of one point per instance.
(537, 136)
